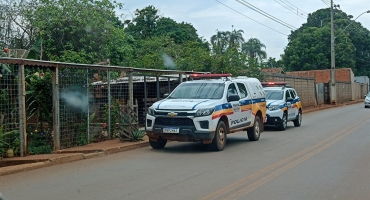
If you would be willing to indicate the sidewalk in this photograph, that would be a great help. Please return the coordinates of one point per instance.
(19, 164)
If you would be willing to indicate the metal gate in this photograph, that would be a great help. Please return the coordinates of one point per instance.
(327, 93)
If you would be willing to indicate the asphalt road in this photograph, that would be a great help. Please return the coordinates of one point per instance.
(328, 157)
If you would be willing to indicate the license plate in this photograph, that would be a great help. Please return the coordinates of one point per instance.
(171, 130)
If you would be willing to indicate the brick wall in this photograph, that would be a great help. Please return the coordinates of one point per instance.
(304, 86)
(323, 76)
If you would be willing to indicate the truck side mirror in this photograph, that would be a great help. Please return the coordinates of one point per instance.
(166, 95)
(233, 97)
(289, 99)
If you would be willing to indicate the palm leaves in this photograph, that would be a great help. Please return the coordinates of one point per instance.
(224, 40)
(254, 49)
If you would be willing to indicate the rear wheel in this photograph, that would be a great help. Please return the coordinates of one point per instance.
(255, 132)
(284, 122)
(160, 144)
(219, 141)
(298, 121)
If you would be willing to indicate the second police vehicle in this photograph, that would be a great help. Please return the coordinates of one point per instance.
(283, 105)
(207, 110)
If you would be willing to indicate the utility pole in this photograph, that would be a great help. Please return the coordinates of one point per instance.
(333, 89)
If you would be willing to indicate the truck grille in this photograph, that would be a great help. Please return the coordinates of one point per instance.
(167, 121)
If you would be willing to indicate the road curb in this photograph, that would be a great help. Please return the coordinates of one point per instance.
(23, 167)
(125, 148)
(69, 158)
(326, 106)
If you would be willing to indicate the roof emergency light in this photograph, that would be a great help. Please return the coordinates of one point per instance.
(273, 84)
(203, 76)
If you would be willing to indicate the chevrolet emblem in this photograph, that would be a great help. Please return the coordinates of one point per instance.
(172, 114)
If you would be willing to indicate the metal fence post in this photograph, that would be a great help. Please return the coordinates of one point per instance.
(109, 105)
(88, 106)
(145, 96)
(131, 99)
(157, 80)
(130, 90)
(169, 85)
(22, 110)
(56, 121)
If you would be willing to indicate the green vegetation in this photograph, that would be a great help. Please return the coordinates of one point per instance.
(309, 46)
(90, 31)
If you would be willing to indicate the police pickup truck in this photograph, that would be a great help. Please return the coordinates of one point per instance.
(283, 105)
(207, 110)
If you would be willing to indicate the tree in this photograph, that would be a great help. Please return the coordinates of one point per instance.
(16, 31)
(160, 36)
(219, 42)
(144, 23)
(254, 49)
(235, 38)
(226, 39)
(309, 46)
(273, 63)
(76, 30)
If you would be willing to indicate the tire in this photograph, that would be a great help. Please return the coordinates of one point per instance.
(298, 121)
(366, 106)
(284, 122)
(219, 140)
(160, 144)
(255, 132)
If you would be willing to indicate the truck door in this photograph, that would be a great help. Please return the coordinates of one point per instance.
(245, 103)
(235, 118)
(289, 105)
(295, 108)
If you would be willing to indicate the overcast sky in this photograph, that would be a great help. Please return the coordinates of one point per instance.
(208, 16)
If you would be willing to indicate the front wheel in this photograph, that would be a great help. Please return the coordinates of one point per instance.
(284, 122)
(160, 144)
(219, 141)
(255, 132)
(298, 121)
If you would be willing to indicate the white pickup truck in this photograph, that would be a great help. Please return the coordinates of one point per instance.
(208, 110)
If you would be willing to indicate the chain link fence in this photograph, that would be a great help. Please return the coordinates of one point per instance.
(50, 106)
(9, 111)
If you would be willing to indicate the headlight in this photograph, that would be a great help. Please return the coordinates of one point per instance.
(204, 112)
(367, 100)
(151, 111)
(274, 107)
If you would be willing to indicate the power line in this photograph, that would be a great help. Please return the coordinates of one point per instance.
(345, 17)
(251, 18)
(266, 14)
(325, 2)
(362, 60)
(293, 11)
(296, 7)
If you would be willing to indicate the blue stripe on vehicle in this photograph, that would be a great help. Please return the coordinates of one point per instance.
(199, 103)
(223, 106)
(259, 100)
(272, 102)
(160, 104)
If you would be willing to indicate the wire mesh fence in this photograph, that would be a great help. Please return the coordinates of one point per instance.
(95, 104)
(9, 112)
(46, 106)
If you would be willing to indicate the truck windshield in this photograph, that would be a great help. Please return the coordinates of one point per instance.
(198, 91)
(274, 94)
